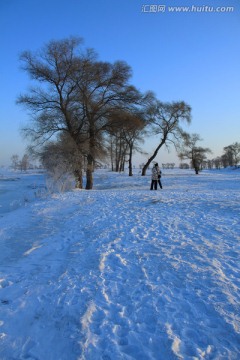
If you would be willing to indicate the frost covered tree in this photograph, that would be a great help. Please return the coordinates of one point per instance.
(190, 150)
(63, 161)
(165, 122)
(75, 93)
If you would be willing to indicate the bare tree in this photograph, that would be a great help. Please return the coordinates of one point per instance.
(232, 154)
(166, 121)
(133, 134)
(76, 94)
(168, 166)
(118, 149)
(184, 166)
(103, 90)
(190, 151)
(15, 161)
(53, 105)
(217, 162)
(24, 163)
(127, 128)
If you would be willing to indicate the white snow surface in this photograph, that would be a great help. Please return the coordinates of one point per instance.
(122, 272)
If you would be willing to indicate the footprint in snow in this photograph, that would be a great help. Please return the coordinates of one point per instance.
(4, 283)
(5, 302)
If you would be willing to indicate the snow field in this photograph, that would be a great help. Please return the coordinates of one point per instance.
(124, 272)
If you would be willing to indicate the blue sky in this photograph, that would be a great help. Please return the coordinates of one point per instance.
(192, 56)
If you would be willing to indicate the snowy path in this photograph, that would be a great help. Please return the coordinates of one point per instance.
(129, 274)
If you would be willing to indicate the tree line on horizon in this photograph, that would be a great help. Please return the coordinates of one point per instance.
(229, 158)
(84, 111)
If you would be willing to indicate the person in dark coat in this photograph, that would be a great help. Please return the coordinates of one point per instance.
(159, 176)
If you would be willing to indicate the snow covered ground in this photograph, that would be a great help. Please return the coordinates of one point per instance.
(121, 272)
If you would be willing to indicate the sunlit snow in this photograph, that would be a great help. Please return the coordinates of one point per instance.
(121, 272)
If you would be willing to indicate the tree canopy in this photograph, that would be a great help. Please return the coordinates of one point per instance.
(77, 94)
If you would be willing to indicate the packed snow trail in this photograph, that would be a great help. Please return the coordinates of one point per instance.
(127, 274)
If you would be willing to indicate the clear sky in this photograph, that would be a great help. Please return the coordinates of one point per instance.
(192, 56)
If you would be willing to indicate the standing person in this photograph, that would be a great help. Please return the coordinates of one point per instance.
(154, 177)
(159, 176)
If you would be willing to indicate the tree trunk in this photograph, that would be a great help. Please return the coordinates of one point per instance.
(130, 161)
(111, 154)
(90, 158)
(122, 163)
(78, 179)
(144, 169)
(195, 166)
(89, 172)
